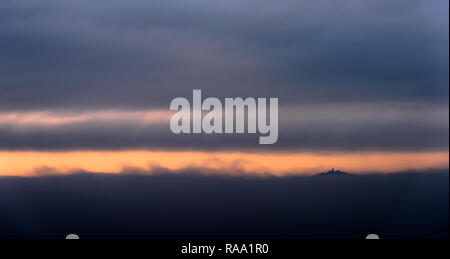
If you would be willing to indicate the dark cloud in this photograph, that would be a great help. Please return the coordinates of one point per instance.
(327, 128)
(193, 206)
(110, 54)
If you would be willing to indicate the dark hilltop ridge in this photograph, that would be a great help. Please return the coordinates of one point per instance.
(333, 172)
(397, 205)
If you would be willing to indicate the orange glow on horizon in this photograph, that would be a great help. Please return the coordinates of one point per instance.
(30, 163)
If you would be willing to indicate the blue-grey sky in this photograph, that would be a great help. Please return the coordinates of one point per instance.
(350, 75)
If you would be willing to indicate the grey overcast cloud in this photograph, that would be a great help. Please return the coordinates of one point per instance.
(350, 75)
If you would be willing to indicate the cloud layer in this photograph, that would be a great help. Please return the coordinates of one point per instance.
(348, 75)
(328, 127)
(141, 54)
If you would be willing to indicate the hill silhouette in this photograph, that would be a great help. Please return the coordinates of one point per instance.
(400, 205)
(333, 172)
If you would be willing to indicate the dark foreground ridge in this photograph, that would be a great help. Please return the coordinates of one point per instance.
(402, 205)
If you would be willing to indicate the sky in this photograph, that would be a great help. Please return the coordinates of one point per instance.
(86, 85)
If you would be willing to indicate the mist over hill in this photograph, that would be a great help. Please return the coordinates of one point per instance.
(189, 205)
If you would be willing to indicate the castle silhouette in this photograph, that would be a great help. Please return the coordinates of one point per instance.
(334, 172)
